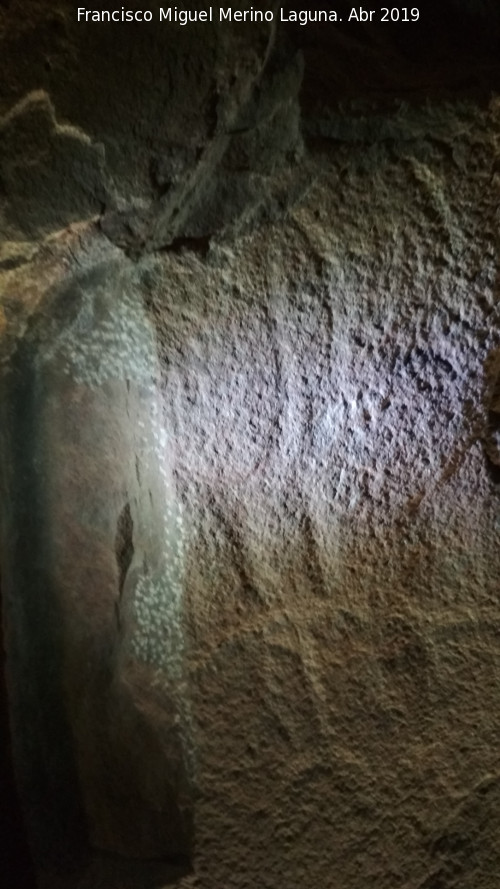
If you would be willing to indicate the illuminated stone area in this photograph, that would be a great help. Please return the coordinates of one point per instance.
(249, 427)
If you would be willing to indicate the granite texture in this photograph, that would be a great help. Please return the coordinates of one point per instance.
(250, 437)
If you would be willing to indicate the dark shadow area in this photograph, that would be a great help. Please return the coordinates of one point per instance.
(15, 854)
(491, 439)
(450, 52)
(47, 776)
(109, 872)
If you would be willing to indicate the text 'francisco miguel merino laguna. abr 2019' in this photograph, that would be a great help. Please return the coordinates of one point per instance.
(174, 15)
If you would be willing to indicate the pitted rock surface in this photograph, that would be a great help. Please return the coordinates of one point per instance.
(250, 410)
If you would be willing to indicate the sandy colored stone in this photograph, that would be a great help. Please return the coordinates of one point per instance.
(297, 684)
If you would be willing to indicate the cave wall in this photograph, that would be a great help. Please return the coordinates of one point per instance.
(93, 582)
(250, 451)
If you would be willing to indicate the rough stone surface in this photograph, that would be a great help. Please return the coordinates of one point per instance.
(95, 608)
(332, 409)
(250, 402)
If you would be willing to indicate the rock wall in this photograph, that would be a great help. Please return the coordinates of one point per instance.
(93, 567)
(331, 408)
(250, 451)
